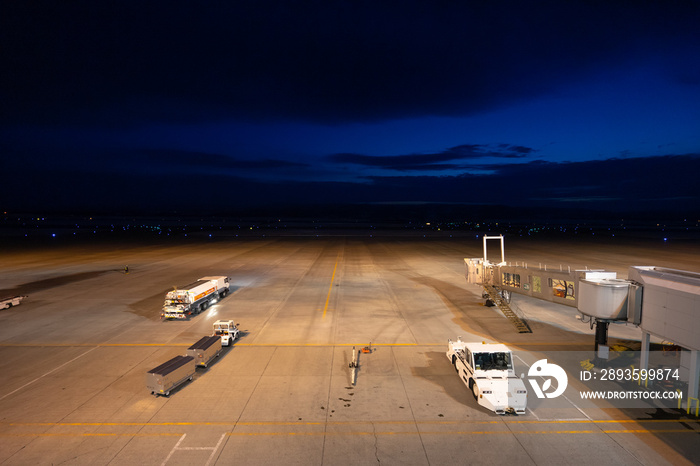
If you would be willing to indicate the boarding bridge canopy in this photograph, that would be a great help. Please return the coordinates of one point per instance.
(671, 304)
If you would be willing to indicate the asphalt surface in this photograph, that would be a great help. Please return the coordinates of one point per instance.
(75, 353)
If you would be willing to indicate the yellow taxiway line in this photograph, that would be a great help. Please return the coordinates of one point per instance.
(238, 343)
(602, 426)
(347, 423)
(330, 287)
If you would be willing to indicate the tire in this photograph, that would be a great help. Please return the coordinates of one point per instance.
(167, 393)
(454, 362)
(475, 390)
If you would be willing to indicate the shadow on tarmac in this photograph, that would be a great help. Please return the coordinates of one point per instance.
(47, 283)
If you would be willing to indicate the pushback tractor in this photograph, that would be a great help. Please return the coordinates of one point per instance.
(487, 369)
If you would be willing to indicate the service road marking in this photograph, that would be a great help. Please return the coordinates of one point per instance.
(49, 372)
(177, 446)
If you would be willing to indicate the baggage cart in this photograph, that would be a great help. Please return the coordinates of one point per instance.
(206, 349)
(164, 378)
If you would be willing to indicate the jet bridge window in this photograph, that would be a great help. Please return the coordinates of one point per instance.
(511, 279)
(493, 361)
(537, 284)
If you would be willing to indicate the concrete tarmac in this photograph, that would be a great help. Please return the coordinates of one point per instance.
(75, 353)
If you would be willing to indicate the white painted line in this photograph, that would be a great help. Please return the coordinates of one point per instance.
(533, 413)
(49, 372)
(565, 397)
(574, 405)
(173, 450)
(216, 448)
(177, 447)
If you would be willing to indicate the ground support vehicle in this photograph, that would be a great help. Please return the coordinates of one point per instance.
(6, 303)
(227, 330)
(194, 298)
(164, 378)
(487, 369)
(206, 349)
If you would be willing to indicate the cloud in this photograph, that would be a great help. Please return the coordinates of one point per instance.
(508, 151)
(434, 161)
(623, 185)
(205, 161)
(116, 63)
(71, 160)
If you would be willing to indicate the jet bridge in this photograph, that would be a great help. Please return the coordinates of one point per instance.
(660, 301)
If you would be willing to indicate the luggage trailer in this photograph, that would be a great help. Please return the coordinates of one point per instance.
(169, 375)
(206, 349)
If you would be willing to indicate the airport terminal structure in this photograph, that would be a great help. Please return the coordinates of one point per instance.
(663, 302)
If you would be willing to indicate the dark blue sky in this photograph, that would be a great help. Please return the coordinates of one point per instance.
(158, 105)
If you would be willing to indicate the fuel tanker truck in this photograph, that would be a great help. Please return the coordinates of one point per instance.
(192, 299)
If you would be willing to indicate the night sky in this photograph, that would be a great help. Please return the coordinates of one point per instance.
(200, 106)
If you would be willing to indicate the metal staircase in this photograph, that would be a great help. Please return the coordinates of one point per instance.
(495, 296)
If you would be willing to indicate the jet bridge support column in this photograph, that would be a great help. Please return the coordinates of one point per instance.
(601, 339)
(644, 355)
(694, 375)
